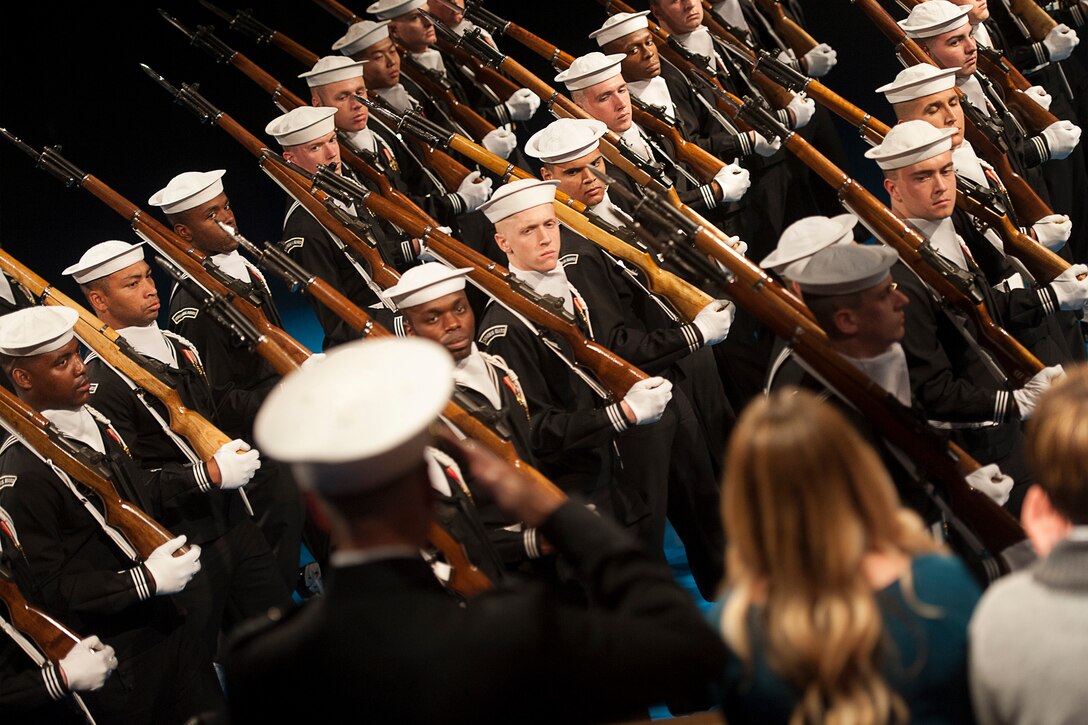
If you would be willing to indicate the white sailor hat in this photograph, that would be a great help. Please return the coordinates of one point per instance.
(188, 190)
(590, 69)
(619, 25)
(333, 68)
(361, 36)
(565, 139)
(805, 237)
(302, 124)
(846, 268)
(359, 418)
(426, 282)
(386, 9)
(104, 259)
(36, 330)
(934, 17)
(918, 81)
(909, 143)
(518, 196)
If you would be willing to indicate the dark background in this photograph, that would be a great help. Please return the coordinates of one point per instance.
(69, 75)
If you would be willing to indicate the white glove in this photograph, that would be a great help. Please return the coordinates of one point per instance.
(474, 190)
(235, 469)
(1027, 396)
(734, 181)
(500, 142)
(1052, 231)
(762, 146)
(714, 320)
(647, 399)
(1071, 292)
(1040, 96)
(1061, 138)
(171, 573)
(992, 482)
(309, 362)
(522, 104)
(1060, 41)
(88, 665)
(818, 61)
(803, 107)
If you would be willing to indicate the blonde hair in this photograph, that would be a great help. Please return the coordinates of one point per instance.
(804, 499)
(1058, 445)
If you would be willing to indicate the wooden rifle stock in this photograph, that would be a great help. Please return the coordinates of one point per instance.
(750, 287)
(288, 101)
(685, 297)
(448, 169)
(1043, 264)
(710, 240)
(1035, 19)
(499, 84)
(999, 70)
(1029, 206)
(615, 373)
(204, 437)
(340, 12)
(1014, 359)
(53, 639)
(796, 37)
(276, 345)
(465, 577)
(314, 201)
(473, 122)
(705, 164)
(777, 96)
(143, 533)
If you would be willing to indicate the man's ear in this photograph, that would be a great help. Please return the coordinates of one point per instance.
(501, 241)
(893, 192)
(98, 300)
(1043, 524)
(846, 321)
(183, 231)
(546, 173)
(20, 378)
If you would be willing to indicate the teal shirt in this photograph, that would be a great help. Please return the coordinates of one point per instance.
(924, 660)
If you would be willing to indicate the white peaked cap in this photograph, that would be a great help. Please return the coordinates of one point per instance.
(918, 81)
(361, 36)
(934, 17)
(359, 418)
(807, 236)
(302, 124)
(333, 68)
(426, 282)
(590, 69)
(518, 196)
(845, 269)
(619, 25)
(104, 259)
(566, 139)
(36, 330)
(386, 9)
(188, 190)
(909, 143)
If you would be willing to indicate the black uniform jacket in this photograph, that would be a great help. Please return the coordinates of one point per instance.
(387, 639)
(185, 501)
(239, 379)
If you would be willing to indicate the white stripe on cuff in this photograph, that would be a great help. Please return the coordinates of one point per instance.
(54, 683)
(617, 418)
(143, 589)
